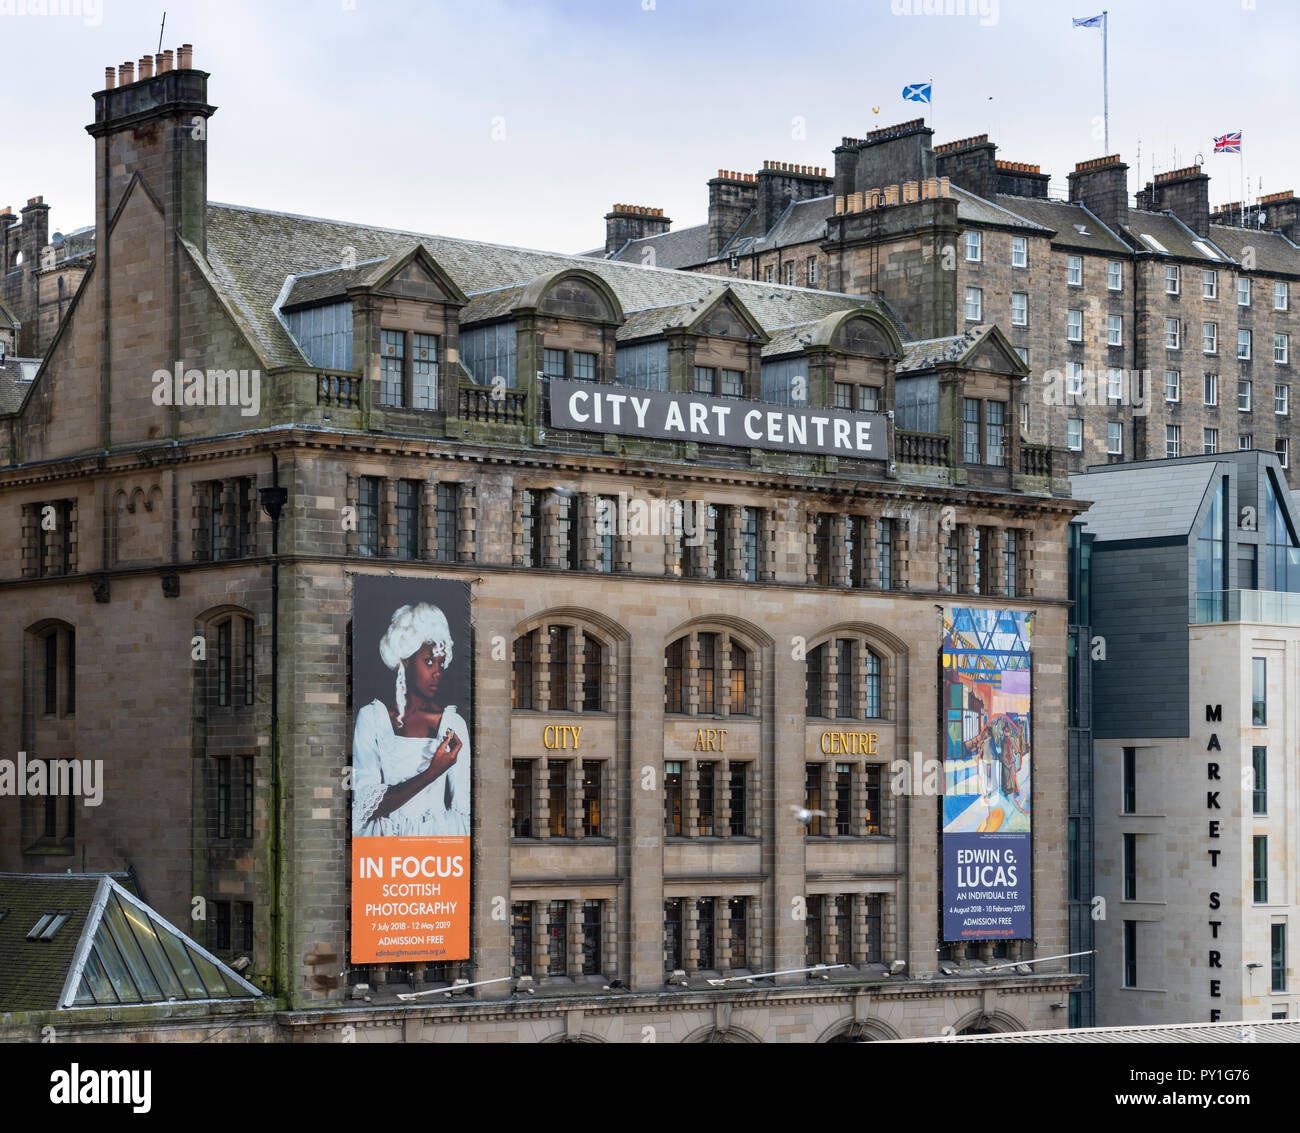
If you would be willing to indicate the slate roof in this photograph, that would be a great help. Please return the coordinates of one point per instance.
(314, 286)
(1273, 251)
(12, 387)
(1172, 233)
(251, 252)
(931, 352)
(7, 318)
(1146, 500)
(32, 973)
(789, 340)
(976, 210)
(684, 247)
(1064, 218)
(801, 222)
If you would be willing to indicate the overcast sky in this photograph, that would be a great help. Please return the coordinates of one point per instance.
(522, 122)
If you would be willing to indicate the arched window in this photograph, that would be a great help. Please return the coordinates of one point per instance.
(560, 667)
(846, 680)
(231, 652)
(712, 670)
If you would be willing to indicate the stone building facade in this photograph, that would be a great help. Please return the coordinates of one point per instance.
(39, 274)
(648, 708)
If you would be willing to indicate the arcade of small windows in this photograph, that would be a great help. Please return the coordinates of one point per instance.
(711, 934)
(49, 538)
(717, 541)
(710, 796)
(412, 519)
(569, 532)
(710, 674)
(861, 551)
(226, 515)
(562, 939)
(847, 681)
(849, 792)
(561, 668)
(844, 928)
(232, 670)
(979, 559)
(561, 798)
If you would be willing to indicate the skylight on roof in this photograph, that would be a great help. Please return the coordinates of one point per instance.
(1082, 230)
(1206, 250)
(1153, 243)
(48, 925)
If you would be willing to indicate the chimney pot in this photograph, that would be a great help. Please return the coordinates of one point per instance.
(110, 77)
(168, 62)
(126, 74)
(185, 57)
(146, 66)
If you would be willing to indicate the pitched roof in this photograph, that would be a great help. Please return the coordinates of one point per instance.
(932, 352)
(110, 949)
(252, 252)
(1065, 219)
(1148, 500)
(15, 377)
(683, 247)
(1170, 235)
(976, 210)
(1273, 252)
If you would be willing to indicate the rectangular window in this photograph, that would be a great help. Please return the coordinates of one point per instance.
(812, 797)
(704, 922)
(790, 274)
(250, 655)
(521, 685)
(392, 367)
(557, 938)
(813, 931)
(408, 519)
(1073, 874)
(1282, 446)
(844, 677)
(995, 433)
(52, 673)
(1171, 385)
(1074, 434)
(737, 914)
(221, 926)
(247, 767)
(1115, 438)
(1260, 846)
(521, 939)
(1277, 957)
(1171, 279)
(1280, 352)
(558, 639)
(1010, 554)
(822, 549)
(1243, 291)
(871, 796)
(950, 562)
(674, 670)
(1019, 308)
(970, 416)
(223, 797)
(1115, 275)
(707, 654)
(1130, 954)
(448, 517)
(704, 379)
(1114, 330)
(225, 661)
(591, 785)
(1074, 326)
(1259, 792)
(1019, 252)
(521, 794)
(844, 799)
(1281, 400)
(1280, 296)
(1114, 384)
(1173, 440)
(737, 798)
(843, 395)
(591, 926)
(874, 944)
(1130, 867)
(769, 273)
(974, 304)
(555, 363)
(584, 366)
(557, 790)
(1210, 389)
(1074, 271)
(749, 544)
(606, 522)
(246, 925)
(531, 544)
(1243, 397)
(1243, 346)
(704, 786)
(1209, 284)
(216, 522)
(972, 247)
(673, 799)
(1211, 441)
(885, 553)
(1209, 338)
(1246, 441)
(424, 371)
(593, 664)
(733, 383)
(567, 523)
(1172, 330)
(1259, 691)
(673, 936)
(812, 271)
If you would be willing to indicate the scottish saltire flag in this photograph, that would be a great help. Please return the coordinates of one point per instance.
(1088, 22)
(917, 92)
(1229, 143)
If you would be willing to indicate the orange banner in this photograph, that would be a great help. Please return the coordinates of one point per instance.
(410, 899)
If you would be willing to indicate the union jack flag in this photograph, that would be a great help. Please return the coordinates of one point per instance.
(1229, 143)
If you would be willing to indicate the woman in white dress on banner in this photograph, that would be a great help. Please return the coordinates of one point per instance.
(411, 760)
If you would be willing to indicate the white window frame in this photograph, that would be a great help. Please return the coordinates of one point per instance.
(1175, 388)
(1114, 438)
(1281, 349)
(1210, 389)
(812, 270)
(1282, 400)
(1074, 379)
(1247, 342)
(1282, 447)
(1114, 270)
(1023, 320)
(1210, 441)
(1281, 290)
(1173, 277)
(1210, 336)
(1243, 291)
(1115, 384)
(1074, 431)
(1173, 328)
(1243, 386)
(977, 293)
(975, 243)
(1074, 322)
(1114, 330)
(1074, 271)
(1173, 441)
(1245, 442)
(1020, 244)
(1209, 283)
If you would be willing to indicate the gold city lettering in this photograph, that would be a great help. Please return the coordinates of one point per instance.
(849, 743)
(706, 738)
(556, 737)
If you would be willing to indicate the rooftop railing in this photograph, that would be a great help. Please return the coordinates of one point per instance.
(1269, 606)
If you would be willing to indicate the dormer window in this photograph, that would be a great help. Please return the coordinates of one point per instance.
(408, 369)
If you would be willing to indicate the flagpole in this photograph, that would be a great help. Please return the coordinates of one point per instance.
(931, 104)
(1105, 78)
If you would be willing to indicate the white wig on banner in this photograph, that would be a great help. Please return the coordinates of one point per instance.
(411, 628)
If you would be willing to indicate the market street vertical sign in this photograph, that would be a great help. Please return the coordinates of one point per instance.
(411, 752)
(986, 685)
(588, 407)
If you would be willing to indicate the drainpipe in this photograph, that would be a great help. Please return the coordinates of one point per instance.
(273, 499)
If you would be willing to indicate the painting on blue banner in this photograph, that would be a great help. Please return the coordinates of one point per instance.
(986, 685)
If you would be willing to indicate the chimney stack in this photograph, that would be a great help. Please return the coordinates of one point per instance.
(35, 233)
(1101, 186)
(780, 183)
(1185, 193)
(632, 222)
(732, 197)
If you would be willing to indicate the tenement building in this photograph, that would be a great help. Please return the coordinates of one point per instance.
(1152, 326)
(718, 539)
(39, 273)
(1196, 603)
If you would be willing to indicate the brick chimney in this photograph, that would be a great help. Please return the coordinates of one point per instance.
(35, 233)
(732, 197)
(1185, 193)
(969, 163)
(1101, 185)
(1281, 211)
(632, 222)
(154, 126)
(1020, 179)
(780, 183)
(891, 155)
